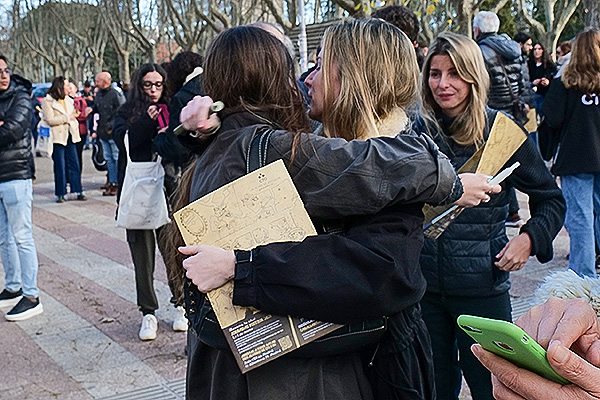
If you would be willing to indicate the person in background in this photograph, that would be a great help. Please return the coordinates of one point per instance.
(563, 56)
(106, 103)
(570, 332)
(80, 106)
(541, 72)
(142, 117)
(58, 113)
(406, 20)
(508, 86)
(17, 247)
(571, 114)
(467, 267)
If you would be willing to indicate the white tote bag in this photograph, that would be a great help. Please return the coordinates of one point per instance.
(143, 204)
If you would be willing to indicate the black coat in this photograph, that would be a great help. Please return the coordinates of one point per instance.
(500, 51)
(574, 118)
(169, 146)
(461, 261)
(15, 132)
(370, 271)
(106, 104)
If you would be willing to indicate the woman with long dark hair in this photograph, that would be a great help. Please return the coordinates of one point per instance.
(541, 73)
(467, 267)
(142, 117)
(58, 113)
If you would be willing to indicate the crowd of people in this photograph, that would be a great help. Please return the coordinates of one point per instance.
(375, 130)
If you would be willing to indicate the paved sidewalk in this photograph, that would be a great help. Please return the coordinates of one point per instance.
(85, 344)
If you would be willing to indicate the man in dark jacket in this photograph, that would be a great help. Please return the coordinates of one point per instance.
(107, 102)
(17, 247)
(503, 60)
(507, 85)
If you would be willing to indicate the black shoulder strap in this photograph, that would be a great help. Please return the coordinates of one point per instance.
(257, 151)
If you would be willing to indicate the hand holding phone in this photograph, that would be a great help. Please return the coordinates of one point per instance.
(511, 343)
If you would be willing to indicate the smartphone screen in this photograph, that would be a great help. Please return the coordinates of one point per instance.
(511, 343)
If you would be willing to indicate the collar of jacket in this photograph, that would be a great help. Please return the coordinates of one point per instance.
(17, 83)
(395, 122)
(235, 118)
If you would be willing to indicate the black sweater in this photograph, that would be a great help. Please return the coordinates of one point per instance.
(575, 118)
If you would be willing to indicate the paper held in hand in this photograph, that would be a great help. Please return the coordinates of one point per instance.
(504, 139)
(259, 208)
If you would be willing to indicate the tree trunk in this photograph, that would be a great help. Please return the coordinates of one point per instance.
(592, 13)
(123, 57)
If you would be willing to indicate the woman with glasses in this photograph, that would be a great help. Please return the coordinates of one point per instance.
(143, 117)
(58, 113)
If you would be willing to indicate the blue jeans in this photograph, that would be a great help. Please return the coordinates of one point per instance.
(17, 248)
(582, 194)
(111, 155)
(66, 160)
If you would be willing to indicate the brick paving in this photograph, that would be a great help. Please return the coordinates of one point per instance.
(85, 345)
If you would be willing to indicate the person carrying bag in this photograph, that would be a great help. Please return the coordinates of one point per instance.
(142, 204)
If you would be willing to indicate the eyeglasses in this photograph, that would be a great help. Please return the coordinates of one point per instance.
(148, 84)
(5, 71)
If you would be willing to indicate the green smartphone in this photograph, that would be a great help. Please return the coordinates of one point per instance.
(511, 343)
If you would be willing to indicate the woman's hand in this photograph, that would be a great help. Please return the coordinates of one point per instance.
(544, 81)
(537, 81)
(476, 189)
(196, 115)
(153, 112)
(515, 254)
(562, 326)
(209, 267)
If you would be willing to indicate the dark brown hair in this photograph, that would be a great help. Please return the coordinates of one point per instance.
(248, 68)
(245, 68)
(57, 90)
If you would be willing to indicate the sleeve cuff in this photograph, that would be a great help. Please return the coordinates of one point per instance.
(244, 290)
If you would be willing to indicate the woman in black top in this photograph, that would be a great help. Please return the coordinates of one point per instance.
(143, 117)
(572, 116)
(467, 268)
(541, 72)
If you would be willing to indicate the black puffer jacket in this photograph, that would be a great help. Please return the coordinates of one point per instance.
(499, 50)
(15, 132)
(461, 261)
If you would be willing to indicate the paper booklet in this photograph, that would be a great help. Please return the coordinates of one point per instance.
(259, 208)
(505, 138)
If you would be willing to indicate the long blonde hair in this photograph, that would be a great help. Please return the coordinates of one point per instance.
(378, 73)
(467, 129)
(583, 71)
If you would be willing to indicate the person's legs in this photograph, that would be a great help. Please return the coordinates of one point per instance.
(578, 191)
(79, 146)
(74, 168)
(498, 307)
(60, 179)
(440, 325)
(111, 155)
(8, 246)
(18, 212)
(142, 246)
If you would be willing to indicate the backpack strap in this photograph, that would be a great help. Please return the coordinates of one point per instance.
(257, 151)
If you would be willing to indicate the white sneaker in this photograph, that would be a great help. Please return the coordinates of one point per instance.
(149, 327)
(180, 323)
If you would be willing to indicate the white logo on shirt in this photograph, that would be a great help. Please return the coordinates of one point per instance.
(589, 100)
